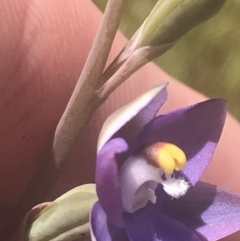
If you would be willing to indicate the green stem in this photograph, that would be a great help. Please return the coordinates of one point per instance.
(84, 100)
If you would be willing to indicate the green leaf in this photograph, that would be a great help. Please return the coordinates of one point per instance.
(67, 218)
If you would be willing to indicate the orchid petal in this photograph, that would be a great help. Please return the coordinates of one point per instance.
(195, 129)
(101, 229)
(149, 224)
(133, 116)
(107, 179)
(211, 211)
(222, 216)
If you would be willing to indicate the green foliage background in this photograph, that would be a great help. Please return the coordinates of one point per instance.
(207, 58)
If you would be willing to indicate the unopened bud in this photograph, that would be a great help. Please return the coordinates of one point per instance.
(171, 19)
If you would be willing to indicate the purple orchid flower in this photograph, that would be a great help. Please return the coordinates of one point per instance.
(148, 170)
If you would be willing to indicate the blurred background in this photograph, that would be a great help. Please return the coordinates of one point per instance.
(207, 58)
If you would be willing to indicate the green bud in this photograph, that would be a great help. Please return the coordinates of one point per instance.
(171, 19)
(67, 218)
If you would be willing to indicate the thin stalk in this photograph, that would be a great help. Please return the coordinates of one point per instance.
(138, 59)
(84, 100)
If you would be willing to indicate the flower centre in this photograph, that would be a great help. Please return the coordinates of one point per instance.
(140, 175)
(166, 156)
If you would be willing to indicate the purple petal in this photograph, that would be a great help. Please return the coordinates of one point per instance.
(149, 224)
(133, 127)
(128, 121)
(222, 218)
(101, 229)
(195, 129)
(211, 211)
(107, 180)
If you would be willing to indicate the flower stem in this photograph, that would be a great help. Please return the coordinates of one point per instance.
(84, 100)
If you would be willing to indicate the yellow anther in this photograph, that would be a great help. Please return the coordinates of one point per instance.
(167, 156)
(165, 161)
